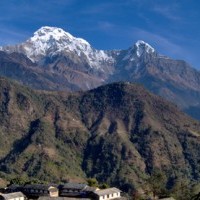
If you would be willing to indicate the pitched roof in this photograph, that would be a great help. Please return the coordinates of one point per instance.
(78, 186)
(12, 195)
(107, 191)
(90, 189)
(38, 186)
(13, 186)
(61, 198)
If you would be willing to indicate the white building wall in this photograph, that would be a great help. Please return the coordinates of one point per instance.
(110, 196)
(115, 195)
(101, 198)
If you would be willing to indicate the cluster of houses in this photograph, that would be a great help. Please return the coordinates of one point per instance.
(68, 191)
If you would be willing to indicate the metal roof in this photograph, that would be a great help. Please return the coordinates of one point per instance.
(12, 195)
(61, 198)
(107, 191)
(78, 186)
(38, 186)
(90, 189)
(13, 187)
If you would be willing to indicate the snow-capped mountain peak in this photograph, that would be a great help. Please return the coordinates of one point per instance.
(46, 33)
(49, 41)
(142, 47)
(137, 50)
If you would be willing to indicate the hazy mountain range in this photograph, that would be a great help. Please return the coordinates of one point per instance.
(55, 60)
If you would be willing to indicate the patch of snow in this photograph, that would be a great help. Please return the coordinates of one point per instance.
(129, 56)
(137, 50)
(142, 47)
(137, 68)
(126, 57)
(87, 85)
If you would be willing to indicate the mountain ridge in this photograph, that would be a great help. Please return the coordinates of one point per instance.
(48, 41)
(69, 63)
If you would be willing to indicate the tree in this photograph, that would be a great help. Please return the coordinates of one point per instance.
(92, 182)
(19, 180)
(104, 186)
(157, 184)
(181, 190)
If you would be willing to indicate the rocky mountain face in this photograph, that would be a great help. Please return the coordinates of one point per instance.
(174, 80)
(117, 133)
(70, 59)
(58, 61)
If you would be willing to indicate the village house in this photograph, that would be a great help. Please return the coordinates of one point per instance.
(37, 190)
(68, 191)
(62, 198)
(13, 188)
(105, 194)
(73, 190)
(12, 196)
(89, 192)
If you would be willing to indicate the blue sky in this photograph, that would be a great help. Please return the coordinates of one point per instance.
(172, 27)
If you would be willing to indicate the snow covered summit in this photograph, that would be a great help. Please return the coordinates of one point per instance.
(137, 51)
(47, 37)
(142, 47)
(49, 41)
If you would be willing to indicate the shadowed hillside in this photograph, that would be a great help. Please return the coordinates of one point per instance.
(118, 133)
